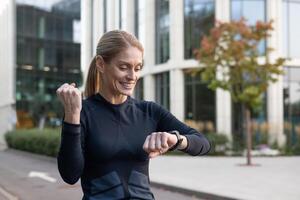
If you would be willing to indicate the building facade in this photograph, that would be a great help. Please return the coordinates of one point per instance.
(170, 30)
(47, 55)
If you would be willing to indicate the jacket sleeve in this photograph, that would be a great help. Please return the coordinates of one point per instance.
(198, 144)
(70, 157)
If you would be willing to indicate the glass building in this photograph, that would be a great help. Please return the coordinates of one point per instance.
(171, 30)
(252, 11)
(48, 55)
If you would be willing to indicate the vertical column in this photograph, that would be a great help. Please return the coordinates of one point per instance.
(176, 56)
(223, 99)
(149, 83)
(149, 88)
(112, 22)
(129, 16)
(176, 31)
(177, 93)
(97, 29)
(7, 69)
(86, 50)
(275, 90)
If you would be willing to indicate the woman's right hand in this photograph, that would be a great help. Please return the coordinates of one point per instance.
(70, 97)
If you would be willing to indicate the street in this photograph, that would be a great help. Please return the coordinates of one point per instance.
(25, 176)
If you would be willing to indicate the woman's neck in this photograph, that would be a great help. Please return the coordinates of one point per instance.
(114, 99)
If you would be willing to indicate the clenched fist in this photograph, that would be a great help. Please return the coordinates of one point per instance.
(70, 97)
(158, 143)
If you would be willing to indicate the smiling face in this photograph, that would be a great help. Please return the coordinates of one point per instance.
(120, 75)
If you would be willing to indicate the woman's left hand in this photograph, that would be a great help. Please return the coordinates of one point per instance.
(159, 143)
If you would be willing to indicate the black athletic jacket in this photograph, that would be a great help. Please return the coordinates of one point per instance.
(106, 149)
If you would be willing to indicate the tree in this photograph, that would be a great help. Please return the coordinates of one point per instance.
(230, 59)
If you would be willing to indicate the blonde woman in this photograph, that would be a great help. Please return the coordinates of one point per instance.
(109, 138)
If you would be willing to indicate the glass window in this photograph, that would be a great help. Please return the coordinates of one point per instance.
(259, 124)
(291, 30)
(162, 36)
(252, 11)
(199, 17)
(139, 89)
(291, 100)
(162, 89)
(200, 109)
(48, 55)
(136, 18)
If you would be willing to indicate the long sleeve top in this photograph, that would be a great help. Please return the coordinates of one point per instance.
(106, 149)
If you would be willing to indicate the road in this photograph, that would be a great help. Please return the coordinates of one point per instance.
(25, 176)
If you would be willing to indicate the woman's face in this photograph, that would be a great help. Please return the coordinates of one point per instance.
(121, 74)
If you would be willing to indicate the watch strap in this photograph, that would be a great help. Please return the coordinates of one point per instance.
(179, 140)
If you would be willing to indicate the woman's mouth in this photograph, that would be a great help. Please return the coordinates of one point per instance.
(127, 85)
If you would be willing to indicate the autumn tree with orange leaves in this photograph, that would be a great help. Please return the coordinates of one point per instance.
(230, 59)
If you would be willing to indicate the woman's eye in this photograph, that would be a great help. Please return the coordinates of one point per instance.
(138, 68)
(122, 67)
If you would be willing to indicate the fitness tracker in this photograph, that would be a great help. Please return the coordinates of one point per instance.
(179, 140)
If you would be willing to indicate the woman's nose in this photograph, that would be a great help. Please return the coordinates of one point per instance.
(131, 75)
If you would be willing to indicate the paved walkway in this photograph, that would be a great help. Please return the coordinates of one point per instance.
(275, 178)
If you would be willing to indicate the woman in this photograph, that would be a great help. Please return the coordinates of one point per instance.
(108, 138)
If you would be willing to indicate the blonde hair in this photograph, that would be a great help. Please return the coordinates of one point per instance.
(108, 47)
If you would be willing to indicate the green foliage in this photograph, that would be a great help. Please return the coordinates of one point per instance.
(44, 142)
(230, 60)
(218, 143)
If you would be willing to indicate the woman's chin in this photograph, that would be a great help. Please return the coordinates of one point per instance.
(126, 92)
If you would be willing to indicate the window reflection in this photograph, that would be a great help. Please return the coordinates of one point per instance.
(252, 11)
(162, 89)
(291, 30)
(291, 100)
(199, 16)
(139, 89)
(200, 110)
(259, 124)
(162, 33)
(48, 55)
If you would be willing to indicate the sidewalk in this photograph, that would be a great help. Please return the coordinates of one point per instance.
(275, 178)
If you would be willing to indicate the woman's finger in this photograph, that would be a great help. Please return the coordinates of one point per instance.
(164, 140)
(158, 141)
(146, 144)
(152, 141)
(154, 154)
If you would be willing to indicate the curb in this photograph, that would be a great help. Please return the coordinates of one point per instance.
(188, 192)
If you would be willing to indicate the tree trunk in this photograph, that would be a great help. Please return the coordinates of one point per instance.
(249, 135)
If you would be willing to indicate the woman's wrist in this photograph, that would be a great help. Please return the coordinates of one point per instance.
(183, 144)
(72, 118)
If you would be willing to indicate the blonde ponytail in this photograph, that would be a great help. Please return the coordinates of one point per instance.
(93, 80)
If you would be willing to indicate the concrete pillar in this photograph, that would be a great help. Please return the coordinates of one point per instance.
(128, 23)
(149, 88)
(177, 93)
(223, 99)
(176, 31)
(275, 90)
(176, 56)
(149, 83)
(86, 36)
(97, 21)
(7, 69)
(112, 20)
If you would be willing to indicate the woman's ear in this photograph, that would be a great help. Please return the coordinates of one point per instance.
(100, 63)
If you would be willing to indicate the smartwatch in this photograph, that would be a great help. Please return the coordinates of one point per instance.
(179, 140)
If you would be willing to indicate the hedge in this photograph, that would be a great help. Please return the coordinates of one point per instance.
(45, 142)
